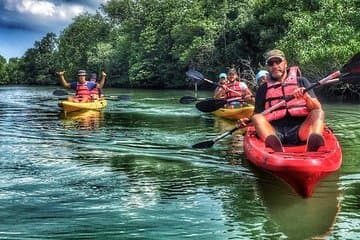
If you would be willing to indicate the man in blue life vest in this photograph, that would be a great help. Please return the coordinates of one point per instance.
(82, 87)
(297, 121)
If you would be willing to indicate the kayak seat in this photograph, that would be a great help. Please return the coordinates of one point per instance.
(272, 141)
(315, 141)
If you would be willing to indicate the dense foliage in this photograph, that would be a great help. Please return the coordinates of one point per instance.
(151, 43)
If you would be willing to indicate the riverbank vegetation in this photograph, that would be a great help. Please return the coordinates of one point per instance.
(151, 43)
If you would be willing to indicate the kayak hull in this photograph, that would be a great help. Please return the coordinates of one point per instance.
(68, 106)
(301, 170)
(235, 113)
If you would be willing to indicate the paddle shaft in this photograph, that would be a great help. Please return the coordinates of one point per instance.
(225, 134)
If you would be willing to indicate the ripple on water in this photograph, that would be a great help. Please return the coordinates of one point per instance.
(129, 172)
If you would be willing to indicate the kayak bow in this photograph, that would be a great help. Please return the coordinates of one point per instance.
(235, 113)
(301, 170)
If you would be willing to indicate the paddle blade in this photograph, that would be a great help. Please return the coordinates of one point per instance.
(205, 144)
(187, 99)
(210, 105)
(119, 97)
(60, 92)
(353, 65)
(195, 75)
(353, 79)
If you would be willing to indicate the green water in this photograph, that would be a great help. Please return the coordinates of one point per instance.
(128, 173)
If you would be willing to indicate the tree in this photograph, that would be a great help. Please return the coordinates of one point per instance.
(78, 40)
(3, 73)
(39, 61)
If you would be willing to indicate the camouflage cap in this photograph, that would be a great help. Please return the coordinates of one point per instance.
(274, 54)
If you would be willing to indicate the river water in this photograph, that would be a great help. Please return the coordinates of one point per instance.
(129, 173)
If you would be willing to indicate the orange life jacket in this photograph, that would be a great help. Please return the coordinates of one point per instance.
(236, 86)
(276, 92)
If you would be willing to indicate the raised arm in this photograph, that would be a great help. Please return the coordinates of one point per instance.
(102, 81)
(62, 80)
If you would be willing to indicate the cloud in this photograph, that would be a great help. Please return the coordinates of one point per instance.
(39, 8)
(30, 20)
(43, 15)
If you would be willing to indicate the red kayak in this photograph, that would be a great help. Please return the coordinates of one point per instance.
(301, 170)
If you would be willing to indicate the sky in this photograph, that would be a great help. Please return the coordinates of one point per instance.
(22, 22)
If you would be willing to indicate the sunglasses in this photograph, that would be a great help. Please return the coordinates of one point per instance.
(271, 62)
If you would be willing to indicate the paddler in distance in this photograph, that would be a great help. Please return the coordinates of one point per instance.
(82, 87)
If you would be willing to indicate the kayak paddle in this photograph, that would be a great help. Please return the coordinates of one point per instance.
(197, 76)
(189, 99)
(60, 92)
(349, 73)
(118, 97)
(210, 105)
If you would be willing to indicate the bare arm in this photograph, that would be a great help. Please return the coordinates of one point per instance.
(219, 93)
(102, 81)
(62, 80)
(249, 97)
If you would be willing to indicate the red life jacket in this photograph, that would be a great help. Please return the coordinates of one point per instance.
(82, 90)
(95, 91)
(236, 86)
(277, 91)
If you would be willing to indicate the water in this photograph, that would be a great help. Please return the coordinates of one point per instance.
(128, 173)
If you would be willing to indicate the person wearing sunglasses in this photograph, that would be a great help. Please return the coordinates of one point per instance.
(300, 120)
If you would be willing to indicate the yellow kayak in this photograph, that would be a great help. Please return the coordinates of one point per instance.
(235, 113)
(68, 106)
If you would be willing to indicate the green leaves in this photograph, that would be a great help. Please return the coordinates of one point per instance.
(151, 43)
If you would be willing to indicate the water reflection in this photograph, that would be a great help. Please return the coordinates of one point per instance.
(85, 120)
(135, 176)
(296, 217)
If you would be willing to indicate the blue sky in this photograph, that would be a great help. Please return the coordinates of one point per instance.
(22, 22)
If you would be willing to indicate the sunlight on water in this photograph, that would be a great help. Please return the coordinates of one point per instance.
(129, 172)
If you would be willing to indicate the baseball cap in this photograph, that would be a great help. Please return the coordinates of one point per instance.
(261, 74)
(81, 73)
(93, 76)
(232, 70)
(275, 53)
(222, 75)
